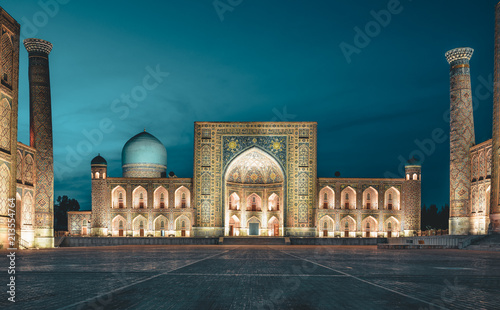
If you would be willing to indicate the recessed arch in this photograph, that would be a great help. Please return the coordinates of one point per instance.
(254, 202)
(348, 198)
(274, 202)
(369, 227)
(139, 226)
(392, 227)
(28, 211)
(370, 198)
(160, 225)
(140, 198)
(4, 189)
(326, 226)
(182, 197)
(273, 226)
(234, 201)
(183, 226)
(5, 114)
(119, 226)
(118, 197)
(259, 181)
(326, 198)
(160, 198)
(234, 226)
(392, 199)
(348, 226)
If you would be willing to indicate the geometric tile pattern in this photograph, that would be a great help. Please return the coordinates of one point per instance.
(5, 112)
(4, 189)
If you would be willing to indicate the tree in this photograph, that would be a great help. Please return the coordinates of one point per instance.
(61, 207)
(434, 217)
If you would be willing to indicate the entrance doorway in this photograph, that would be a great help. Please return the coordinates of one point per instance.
(84, 231)
(276, 229)
(253, 229)
(231, 230)
(141, 232)
(325, 233)
(120, 233)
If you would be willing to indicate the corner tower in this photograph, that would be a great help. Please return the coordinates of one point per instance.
(99, 220)
(412, 197)
(461, 138)
(41, 139)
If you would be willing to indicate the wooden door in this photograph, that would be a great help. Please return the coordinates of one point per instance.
(325, 233)
(120, 233)
(84, 231)
(276, 229)
(389, 234)
(231, 228)
(346, 234)
(183, 233)
(141, 233)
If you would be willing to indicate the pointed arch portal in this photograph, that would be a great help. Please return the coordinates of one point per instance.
(258, 181)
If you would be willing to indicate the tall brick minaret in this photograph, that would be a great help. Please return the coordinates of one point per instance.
(495, 158)
(41, 139)
(461, 138)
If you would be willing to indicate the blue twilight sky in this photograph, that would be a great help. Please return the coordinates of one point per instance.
(257, 60)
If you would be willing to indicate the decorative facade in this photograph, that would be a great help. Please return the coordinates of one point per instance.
(474, 168)
(26, 174)
(250, 179)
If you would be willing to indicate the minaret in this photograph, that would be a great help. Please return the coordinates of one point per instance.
(41, 139)
(495, 158)
(99, 167)
(461, 138)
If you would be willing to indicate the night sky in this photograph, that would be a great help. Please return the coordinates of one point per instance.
(256, 60)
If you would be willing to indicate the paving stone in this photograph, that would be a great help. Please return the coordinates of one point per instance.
(254, 277)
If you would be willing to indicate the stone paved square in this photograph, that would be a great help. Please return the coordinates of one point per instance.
(254, 277)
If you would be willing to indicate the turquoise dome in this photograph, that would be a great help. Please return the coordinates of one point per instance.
(144, 148)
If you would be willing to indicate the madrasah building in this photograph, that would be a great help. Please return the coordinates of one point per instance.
(250, 179)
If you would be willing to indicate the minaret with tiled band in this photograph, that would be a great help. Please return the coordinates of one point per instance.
(461, 138)
(495, 159)
(41, 139)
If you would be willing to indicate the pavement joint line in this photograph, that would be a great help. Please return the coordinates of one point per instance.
(137, 282)
(257, 275)
(367, 282)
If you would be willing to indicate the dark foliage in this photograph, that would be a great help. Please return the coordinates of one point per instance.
(435, 218)
(61, 207)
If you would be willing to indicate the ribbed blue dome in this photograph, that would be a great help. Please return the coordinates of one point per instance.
(144, 148)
